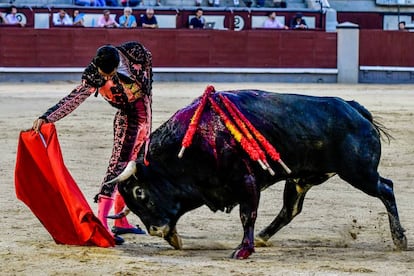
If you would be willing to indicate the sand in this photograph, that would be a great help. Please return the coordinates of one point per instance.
(341, 231)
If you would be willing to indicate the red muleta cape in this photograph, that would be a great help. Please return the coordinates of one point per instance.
(45, 185)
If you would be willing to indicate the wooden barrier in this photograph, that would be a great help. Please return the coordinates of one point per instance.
(74, 47)
(386, 48)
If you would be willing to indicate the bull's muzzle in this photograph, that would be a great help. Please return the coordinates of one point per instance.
(171, 236)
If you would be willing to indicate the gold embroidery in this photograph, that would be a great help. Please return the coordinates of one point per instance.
(132, 90)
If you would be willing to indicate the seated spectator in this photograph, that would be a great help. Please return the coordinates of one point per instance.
(11, 17)
(62, 18)
(130, 3)
(127, 20)
(78, 18)
(106, 21)
(272, 23)
(198, 21)
(298, 23)
(401, 26)
(148, 20)
(3, 19)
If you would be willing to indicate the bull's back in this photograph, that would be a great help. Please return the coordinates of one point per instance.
(310, 132)
(300, 117)
(306, 130)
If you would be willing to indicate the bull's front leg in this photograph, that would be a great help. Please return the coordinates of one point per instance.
(248, 214)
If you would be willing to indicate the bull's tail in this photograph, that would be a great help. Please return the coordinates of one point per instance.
(382, 130)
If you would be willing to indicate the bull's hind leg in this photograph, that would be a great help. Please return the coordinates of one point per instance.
(383, 189)
(293, 197)
(386, 194)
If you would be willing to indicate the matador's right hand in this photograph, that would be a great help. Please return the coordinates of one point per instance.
(37, 124)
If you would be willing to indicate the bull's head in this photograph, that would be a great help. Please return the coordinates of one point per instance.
(153, 200)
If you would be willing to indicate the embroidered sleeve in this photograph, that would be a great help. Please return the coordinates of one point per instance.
(140, 64)
(69, 103)
(92, 77)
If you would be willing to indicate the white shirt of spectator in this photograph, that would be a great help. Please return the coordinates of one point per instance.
(59, 21)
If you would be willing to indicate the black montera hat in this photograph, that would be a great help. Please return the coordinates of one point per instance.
(107, 58)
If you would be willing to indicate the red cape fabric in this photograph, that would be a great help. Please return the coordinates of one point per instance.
(44, 184)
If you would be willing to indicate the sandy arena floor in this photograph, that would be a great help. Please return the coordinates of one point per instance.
(341, 231)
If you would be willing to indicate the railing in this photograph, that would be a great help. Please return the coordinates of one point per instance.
(224, 19)
(395, 2)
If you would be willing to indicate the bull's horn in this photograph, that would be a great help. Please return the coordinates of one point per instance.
(130, 169)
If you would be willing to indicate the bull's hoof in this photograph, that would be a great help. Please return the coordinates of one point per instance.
(260, 242)
(401, 244)
(242, 253)
(174, 240)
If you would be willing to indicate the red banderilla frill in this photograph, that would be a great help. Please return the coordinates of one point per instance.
(262, 140)
(233, 111)
(192, 127)
(244, 142)
(244, 136)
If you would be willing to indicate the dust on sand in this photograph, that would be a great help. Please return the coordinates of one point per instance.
(341, 231)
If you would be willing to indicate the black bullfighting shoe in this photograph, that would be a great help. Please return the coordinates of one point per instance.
(118, 240)
(134, 230)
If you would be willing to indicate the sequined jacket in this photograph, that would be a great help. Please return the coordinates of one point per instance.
(132, 81)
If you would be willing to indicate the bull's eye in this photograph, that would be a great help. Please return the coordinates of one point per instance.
(138, 193)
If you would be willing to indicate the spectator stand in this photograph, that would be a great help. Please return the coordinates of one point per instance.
(24, 15)
(225, 18)
(167, 18)
(258, 20)
(284, 17)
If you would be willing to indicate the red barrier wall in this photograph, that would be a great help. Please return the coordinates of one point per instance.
(365, 20)
(74, 47)
(386, 48)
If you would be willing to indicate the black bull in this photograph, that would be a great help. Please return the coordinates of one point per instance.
(317, 137)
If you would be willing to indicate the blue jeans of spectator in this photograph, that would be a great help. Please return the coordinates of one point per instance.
(111, 3)
(100, 3)
(85, 3)
(260, 3)
(130, 3)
